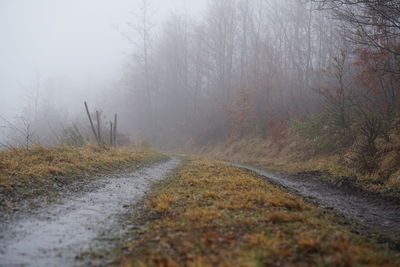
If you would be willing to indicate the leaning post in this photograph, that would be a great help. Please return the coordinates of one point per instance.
(91, 123)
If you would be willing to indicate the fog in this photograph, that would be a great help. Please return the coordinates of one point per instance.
(173, 71)
(79, 42)
(194, 73)
(310, 88)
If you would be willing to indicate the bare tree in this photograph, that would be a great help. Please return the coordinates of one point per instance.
(19, 133)
(144, 29)
(371, 23)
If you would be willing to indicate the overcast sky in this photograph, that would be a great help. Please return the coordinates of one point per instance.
(70, 39)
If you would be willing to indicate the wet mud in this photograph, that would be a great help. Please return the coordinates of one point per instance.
(375, 213)
(57, 234)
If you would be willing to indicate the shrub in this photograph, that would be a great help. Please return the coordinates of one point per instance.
(319, 130)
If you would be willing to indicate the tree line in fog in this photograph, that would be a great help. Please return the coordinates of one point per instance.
(325, 69)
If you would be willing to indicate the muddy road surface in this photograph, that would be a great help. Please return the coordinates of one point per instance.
(373, 212)
(57, 234)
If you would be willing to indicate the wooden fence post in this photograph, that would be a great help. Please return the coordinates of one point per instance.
(98, 127)
(115, 129)
(111, 134)
(91, 123)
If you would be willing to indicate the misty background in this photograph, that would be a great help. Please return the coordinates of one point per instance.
(176, 72)
(189, 73)
(75, 48)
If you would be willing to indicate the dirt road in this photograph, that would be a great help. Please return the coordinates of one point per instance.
(370, 211)
(56, 235)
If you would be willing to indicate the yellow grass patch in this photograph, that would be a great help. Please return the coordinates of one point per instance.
(203, 215)
(219, 215)
(39, 165)
(162, 203)
(293, 155)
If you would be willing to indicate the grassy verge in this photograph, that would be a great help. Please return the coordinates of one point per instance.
(26, 173)
(211, 214)
(296, 156)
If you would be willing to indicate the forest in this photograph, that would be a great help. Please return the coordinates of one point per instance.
(305, 93)
(318, 75)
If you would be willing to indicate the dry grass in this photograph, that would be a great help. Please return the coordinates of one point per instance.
(218, 215)
(21, 167)
(292, 155)
(162, 203)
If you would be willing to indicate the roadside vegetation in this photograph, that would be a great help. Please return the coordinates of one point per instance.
(212, 214)
(346, 125)
(30, 172)
(294, 154)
